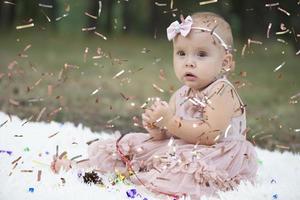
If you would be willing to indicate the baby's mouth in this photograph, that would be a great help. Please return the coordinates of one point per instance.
(190, 75)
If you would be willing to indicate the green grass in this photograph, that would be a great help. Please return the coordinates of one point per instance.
(266, 93)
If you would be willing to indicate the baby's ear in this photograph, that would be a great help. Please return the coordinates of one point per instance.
(228, 62)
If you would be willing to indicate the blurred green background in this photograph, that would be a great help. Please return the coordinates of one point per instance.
(63, 69)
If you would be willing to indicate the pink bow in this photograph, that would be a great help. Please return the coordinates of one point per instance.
(184, 28)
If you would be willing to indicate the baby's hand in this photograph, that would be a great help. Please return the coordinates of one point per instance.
(59, 163)
(159, 114)
(154, 131)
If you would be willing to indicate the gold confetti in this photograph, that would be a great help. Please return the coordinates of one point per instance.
(59, 18)
(282, 146)
(89, 28)
(119, 74)
(243, 50)
(50, 136)
(8, 2)
(158, 88)
(91, 141)
(207, 2)
(268, 31)
(84, 160)
(25, 26)
(99, 34)
(282, 41)
(284, 11)
(45, 5)
(110, 121)
(160, 4)
(171, 4)
(3, 123)
(15, 161)
(30, 118)
(91, 16)
(39, 175)
(100, 8)
(272, 4)
(282, 32)
(277, 68)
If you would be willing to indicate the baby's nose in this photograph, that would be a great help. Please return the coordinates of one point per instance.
(190, 63)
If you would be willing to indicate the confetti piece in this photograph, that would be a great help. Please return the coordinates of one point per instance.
(26, 149)
(39, 175)
(243, 50)
(56, 154)
(282, 32)
(298, 52)
(171, 4)
(273, 181)
(25, 26)
(75, 157)
(26, 170)
(95, 91)
(91, 16)
(31, 190)
(8, 2)
(89, 28)
(297, 130)
(282, 41)
(29, 119)
(40, 114)
(45, 5)
(157, 88)
(15, 161)
(49, 20)
(207, 2)
(131, 193)
(99, 34)
(272, 4)
(282, 146)
(90, 142)
(277, 68)
(119, 74)
(110, 121)
(284, 11)
(84, 160)
(61, 156)
(3, 123)
(275, 196)
(100, 8)
(160, 4)
(59, 18)
(254, 42)
(268, 31)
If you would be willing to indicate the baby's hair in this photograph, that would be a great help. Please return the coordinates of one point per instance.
(214, 22)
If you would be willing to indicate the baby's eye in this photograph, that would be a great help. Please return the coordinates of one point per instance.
(181, 53)
(202, 54)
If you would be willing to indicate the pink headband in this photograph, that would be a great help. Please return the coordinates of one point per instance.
(185, 27)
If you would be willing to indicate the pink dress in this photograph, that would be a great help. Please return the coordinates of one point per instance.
(176, 167)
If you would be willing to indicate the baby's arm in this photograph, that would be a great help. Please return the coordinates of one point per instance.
(217, 116)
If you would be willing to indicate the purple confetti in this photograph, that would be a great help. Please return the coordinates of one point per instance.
(131, 193)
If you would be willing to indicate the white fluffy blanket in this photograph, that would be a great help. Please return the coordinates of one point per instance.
(278, 175)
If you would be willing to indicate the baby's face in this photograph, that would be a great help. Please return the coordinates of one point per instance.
(197, 58)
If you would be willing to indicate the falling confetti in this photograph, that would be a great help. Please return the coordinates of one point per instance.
(207, 2)
(25, 26)
(277, 68)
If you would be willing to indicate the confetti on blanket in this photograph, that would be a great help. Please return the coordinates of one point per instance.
(26, 150)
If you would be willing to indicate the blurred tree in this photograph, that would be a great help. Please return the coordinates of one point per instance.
(7, 15)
